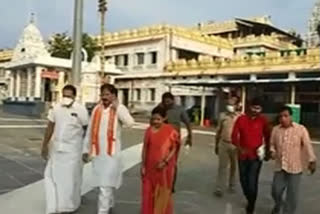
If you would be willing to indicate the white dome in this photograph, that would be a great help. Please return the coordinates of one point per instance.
(30, 44)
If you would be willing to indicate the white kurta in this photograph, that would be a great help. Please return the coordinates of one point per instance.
(107, 170)
(63, 172)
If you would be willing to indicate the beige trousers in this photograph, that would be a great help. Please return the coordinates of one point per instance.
(227, 162)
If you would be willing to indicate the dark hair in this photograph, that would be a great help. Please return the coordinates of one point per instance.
(159, 110)
(167, 95)
(257, 101)
(286, 108)
(110, 88)
(70, 88)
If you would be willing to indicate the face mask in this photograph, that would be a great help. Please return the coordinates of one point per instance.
(66, 101)
(230, 108)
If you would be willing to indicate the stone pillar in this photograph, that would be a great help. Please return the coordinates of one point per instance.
(293, 94)
(120, 96)
(61, 85)
(174, 54)
(112, 60)
(253, 77)
(18, 83)
(217, 104)
(292, 76)
(37, 91)
(243, 98)
(203, 107)
(131, 60)
(11, 84)
(29, 81)
(148, 58)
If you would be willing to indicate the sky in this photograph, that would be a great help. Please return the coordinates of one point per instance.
(54, 16)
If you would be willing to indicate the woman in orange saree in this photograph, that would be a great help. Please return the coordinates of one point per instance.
(158, 165)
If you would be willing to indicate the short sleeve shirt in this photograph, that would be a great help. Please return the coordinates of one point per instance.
(69, 126)
(176, 114)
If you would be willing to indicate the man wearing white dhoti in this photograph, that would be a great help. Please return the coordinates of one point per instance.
(103, 144)
(66, 129)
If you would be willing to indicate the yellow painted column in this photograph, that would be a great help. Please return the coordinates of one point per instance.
(203, 107)
(293, 94)
(243, 97)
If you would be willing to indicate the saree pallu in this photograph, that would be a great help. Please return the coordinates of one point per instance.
(157, 183)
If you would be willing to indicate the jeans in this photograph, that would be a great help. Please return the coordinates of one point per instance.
(290, 183)
(249, 178)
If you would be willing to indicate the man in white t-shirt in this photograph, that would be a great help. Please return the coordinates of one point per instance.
(66, 129)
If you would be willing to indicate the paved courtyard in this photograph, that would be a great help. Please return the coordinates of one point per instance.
(20, 165)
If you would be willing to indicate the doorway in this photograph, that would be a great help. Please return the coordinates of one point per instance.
(125, 97)
(47, 90)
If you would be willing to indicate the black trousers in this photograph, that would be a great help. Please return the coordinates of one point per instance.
(249, 178)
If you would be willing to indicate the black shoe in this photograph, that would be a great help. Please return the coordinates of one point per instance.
(274, 211)
(110, 211)
(248, 210)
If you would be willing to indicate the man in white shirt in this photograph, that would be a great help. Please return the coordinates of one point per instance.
(66, 129)
(103, 144)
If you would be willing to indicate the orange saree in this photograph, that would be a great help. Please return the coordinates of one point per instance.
(157, 183)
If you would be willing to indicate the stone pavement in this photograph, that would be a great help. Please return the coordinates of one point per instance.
(197, 172)
(20, 165)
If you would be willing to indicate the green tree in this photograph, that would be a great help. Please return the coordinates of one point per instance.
(90, 45)
(61, 45)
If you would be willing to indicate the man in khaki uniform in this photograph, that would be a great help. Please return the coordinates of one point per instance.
(226, 151)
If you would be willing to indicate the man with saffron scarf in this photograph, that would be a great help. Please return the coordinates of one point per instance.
(103, 144)
(158, 165)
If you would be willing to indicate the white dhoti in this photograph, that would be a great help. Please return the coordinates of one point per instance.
(63, 177)
(107, 176)
(106, 199)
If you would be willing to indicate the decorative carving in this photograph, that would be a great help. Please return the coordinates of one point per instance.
(272, 59)
(273, 41)
(30, 44)
(158, 30)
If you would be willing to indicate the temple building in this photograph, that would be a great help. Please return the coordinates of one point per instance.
(33, 79)
(200, 65)
(145, 52)
(146, 56)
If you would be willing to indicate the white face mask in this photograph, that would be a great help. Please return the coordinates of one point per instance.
(230, 108)
(66, 101)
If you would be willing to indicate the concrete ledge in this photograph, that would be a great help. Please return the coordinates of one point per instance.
(26, 108)
(31, 199)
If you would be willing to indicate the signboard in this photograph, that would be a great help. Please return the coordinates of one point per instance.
(50, 74)
(296, 112)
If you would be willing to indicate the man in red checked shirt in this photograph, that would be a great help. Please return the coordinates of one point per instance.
(250, 132)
